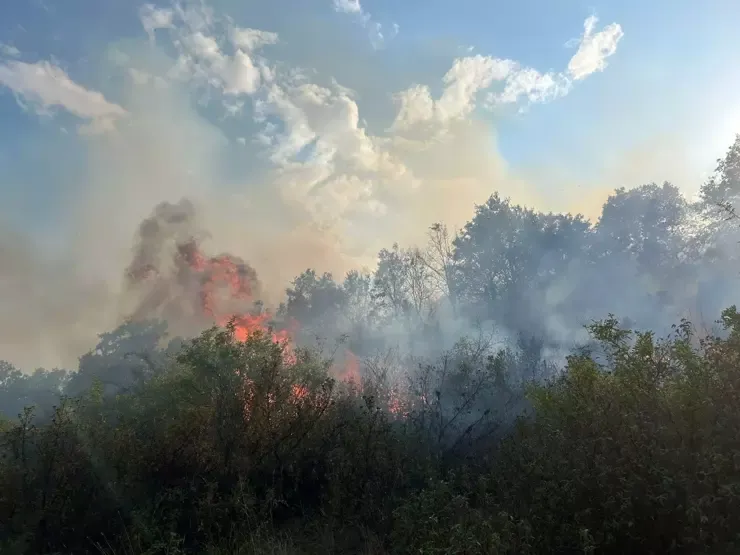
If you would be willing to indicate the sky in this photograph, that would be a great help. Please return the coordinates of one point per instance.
(312, 133)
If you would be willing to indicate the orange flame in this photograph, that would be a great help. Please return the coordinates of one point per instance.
(227, 273)
(228, 276)
(350, 371)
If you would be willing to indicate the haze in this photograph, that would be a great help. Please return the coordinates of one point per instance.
(315, 134)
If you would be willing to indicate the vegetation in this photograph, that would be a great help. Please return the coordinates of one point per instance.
(232, 450)
(218, 445)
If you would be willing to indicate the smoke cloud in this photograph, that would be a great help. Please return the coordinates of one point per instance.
(278, 166)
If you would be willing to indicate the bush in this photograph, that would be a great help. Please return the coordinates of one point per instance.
(241, 447)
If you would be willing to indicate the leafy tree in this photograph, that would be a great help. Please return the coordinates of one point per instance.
(42, 389)
(439, 257)
(314, 301)
(645, 224)
(402, 286)
(509, 255)
(723, 188)
(131, 353)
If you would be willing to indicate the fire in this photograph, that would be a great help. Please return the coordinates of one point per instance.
(223, 289)
(249, 324)
(350, 371)
(227, 276)
(299, 392)
(226, 281)
(397, 404)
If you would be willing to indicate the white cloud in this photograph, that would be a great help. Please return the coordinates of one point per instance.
(594, 48)
(531, 84)
(323, 158)
(203, 58)
(327, 118)
(348, 6)
(415, 105)
(9, 50)
(324, 121)
(46, 85)
(472, 74)
(153, 18)
(251, 39)
(462, 82)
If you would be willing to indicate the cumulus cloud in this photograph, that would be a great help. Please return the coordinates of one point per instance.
(251, 39)
(473, 74)
(153, 18)
(9, 50)
(462, 82)
(532, 85)
(201, 45)
(45, 85)
(322, 161)
(348, 6)
(594, 48)
(325, 167)
(331, 179)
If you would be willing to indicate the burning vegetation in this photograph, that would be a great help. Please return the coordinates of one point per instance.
(176, 281)
(245, 439)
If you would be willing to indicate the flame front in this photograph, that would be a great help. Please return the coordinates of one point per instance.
(226, 282)
(198, 288)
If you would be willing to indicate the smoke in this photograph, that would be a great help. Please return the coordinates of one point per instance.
(170, 278)
(279, 169)
(50, 312)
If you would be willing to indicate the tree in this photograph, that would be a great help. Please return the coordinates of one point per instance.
(40, 389)
(439, 257)
(724, 186)
(124, 357)
(357, 289)
(315, 301)
(403, 286)
(645, 224)
(507, 258)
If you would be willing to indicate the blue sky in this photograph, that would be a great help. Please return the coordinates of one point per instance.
(658, 103)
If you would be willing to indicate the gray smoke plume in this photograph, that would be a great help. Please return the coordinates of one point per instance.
(172, 279)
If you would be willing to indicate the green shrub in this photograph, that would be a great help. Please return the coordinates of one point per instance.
(234, 448)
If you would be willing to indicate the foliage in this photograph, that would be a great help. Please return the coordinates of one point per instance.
(42, 389)
(633, 449)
